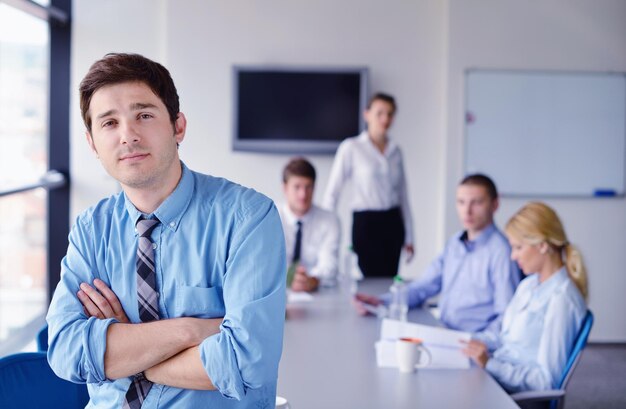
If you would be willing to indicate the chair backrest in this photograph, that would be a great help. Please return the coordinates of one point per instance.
(27, 381)
(42, 339)
(579, 345)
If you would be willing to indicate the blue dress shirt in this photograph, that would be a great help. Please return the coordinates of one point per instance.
(476, 280)
(220, 252)
(538, 332)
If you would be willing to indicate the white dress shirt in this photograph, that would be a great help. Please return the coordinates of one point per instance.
(377, 179)
(319, 251)
(538, 332)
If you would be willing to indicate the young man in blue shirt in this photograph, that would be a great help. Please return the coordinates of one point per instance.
(474, 274)
(172, 292)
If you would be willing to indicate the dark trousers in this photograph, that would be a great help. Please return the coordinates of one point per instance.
(377, 240)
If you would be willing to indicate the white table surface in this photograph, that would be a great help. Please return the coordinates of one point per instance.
(329, 361)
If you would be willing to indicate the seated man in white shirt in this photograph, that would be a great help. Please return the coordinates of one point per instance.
(311, 233)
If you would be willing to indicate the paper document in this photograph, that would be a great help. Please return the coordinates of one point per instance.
(298, 297)
(443, 344)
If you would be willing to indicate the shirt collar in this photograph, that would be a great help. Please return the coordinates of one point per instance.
(482, 238)
(545, 289)
(389, 149)
(292, 218)
(171, 210)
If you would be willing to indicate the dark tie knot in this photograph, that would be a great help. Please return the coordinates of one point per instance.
(145, 226)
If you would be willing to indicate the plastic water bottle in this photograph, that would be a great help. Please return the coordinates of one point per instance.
(399, 305)
(351, 273)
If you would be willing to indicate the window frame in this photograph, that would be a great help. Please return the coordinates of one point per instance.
(56, 180)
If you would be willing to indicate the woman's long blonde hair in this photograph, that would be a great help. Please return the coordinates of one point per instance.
(536, 223)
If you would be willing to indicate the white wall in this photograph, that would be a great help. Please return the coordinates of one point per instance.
(585, 35)
(199, 41)
(416, 50)
(99, 28)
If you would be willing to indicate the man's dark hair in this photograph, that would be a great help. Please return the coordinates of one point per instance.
(299, 167)
(485, 181)
(116, 68)
(380, 96)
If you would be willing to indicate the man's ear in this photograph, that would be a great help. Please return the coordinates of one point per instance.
(366, 115)
(495, 204)
(180, 127)
(90, 142)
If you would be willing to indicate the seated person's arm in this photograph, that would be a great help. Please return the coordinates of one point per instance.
(556, 338)
(418, 291)
(426, 286)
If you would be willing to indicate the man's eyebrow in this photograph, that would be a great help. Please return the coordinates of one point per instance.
(135, 106)
(107, 113)
(141, 105)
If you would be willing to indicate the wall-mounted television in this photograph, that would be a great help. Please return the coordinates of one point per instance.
(300, 110)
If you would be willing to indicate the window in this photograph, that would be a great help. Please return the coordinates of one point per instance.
(30, 146)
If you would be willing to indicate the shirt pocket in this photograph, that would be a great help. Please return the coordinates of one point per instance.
(198, 302)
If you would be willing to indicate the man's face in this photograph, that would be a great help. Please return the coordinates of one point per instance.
(379, 117)
(474, 207)
(299, 194)
(132, 135)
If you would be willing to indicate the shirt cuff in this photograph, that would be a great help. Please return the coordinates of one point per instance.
(94, 341)
(221, 366)
(489, 338)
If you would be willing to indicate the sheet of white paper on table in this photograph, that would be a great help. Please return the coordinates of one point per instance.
(299, 297)
(443, 344)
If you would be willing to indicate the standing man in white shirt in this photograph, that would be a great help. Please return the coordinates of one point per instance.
(372, 162)
(311, 233)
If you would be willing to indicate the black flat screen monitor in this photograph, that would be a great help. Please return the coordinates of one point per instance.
(297, 110)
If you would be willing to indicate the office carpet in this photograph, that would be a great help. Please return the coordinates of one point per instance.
(599, 381)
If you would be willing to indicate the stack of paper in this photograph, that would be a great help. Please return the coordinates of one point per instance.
(443, 344)
(294, 297)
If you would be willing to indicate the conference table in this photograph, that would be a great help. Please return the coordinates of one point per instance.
(329, 361)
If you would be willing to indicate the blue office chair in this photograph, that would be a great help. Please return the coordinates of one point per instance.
(556, 397)
(27, 382)
(42, 339)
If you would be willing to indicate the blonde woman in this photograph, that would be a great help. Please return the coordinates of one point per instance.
(547, 310)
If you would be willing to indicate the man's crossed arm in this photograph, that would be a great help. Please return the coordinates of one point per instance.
(166, 351)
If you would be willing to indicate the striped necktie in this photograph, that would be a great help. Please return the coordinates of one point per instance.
(147, 298)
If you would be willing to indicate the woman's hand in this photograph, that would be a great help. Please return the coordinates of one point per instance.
(477, 352)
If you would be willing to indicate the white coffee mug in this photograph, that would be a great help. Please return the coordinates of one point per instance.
(409, 353)
(281, 403)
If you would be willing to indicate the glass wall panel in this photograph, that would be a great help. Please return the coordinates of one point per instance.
(24, 67)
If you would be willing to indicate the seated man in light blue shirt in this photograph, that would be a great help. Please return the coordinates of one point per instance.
(474, 275)
(172, 292)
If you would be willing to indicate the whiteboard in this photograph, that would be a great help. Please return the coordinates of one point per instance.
(547, 133)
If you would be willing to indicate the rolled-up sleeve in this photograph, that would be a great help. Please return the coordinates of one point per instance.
(246, 352)
(76, 343)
